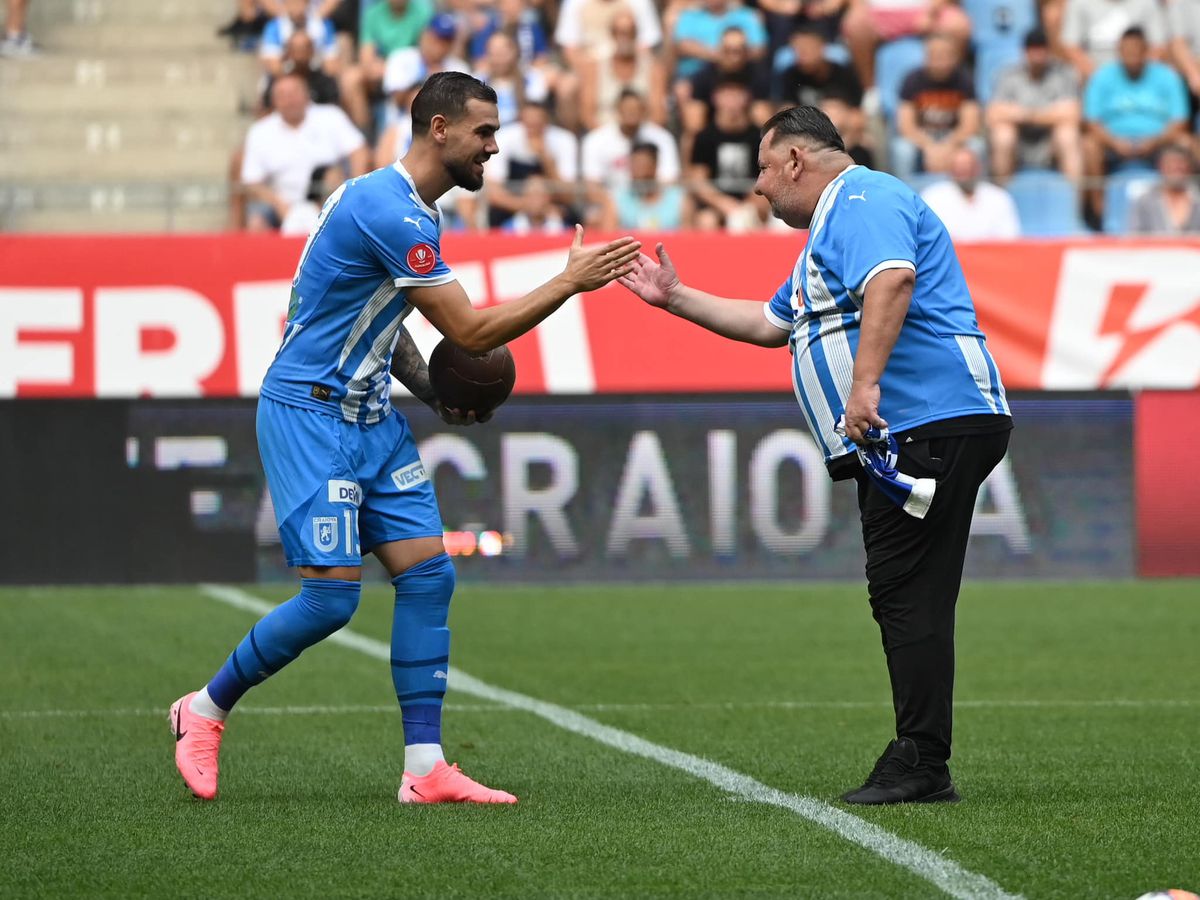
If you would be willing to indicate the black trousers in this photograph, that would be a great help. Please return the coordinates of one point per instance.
(914, 569)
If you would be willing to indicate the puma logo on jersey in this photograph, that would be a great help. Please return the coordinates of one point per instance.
(862, 197)
(416, 222)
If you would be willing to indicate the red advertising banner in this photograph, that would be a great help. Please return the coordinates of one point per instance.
(171, 316)
(1166, 429)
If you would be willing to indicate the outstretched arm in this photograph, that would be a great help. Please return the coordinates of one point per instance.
(658, 284)
(450, 311)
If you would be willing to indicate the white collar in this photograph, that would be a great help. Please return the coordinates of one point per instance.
(414, 193)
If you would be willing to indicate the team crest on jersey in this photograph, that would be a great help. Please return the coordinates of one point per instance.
(421, 259)
(325, 532)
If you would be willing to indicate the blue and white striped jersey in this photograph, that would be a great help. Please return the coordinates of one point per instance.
(374, 239)
(865, 223)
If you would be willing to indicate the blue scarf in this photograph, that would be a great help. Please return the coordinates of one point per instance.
(880, 457)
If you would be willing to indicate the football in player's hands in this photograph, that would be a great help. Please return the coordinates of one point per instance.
(469, 383)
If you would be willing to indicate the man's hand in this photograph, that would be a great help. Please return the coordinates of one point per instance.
(862, 411)
(653, 281)
(591, 268)
(458, 417)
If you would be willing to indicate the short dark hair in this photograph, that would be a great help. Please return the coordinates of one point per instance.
(807, 122)
(446, 94)
(1134, 31)
(645, 147)
(1037, 37)
(628, 92)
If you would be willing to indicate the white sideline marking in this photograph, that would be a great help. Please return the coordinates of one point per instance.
(933, 867)
(350, 710)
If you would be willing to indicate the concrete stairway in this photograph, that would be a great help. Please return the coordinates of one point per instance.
(126, 119)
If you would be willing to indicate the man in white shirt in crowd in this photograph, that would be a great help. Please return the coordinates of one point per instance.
(605, 151)
(971, 209)
(530, 146)
(284, 149)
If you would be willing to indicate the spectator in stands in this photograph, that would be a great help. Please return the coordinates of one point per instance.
(513, 83)
(869, 23)
(782, 17)
(538, 213)
(387, 26)
(1172, 207)
(249, 20)
(297, 17)
(851, 125)
(530, 146)
(17, 43)
(285, 148)
(1034, 117)
(724, 163)
(624, 65)
(698, 31)
(694, 96)
(408, 67)
(812, 77)
(514, 18)
(1133, 107)
(605, 152)
(645, 203)
(585, 27)
(1092, 30)
(1183, 25)
(971, 209)
(298, 59)
(938, 113)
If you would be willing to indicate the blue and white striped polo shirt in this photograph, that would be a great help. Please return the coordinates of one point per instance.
(867, 222)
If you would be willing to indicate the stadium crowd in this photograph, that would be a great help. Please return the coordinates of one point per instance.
(1036, 117)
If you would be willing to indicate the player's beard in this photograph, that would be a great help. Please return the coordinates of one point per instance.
(465, 174)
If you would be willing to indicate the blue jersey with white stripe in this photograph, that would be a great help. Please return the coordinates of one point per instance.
(375, 238)
(867, 222)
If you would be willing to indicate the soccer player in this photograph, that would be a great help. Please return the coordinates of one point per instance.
(341, 464)
(898, 388)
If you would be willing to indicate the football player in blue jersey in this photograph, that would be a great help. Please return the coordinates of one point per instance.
(342, 465)
(895, 380)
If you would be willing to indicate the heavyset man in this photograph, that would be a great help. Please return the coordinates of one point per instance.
(896, 382)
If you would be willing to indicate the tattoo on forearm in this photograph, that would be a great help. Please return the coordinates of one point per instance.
(410, 369)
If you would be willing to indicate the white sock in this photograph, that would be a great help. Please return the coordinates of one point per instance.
(419, 759)
(202, 705)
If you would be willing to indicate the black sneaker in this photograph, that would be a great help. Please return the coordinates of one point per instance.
(898, 777)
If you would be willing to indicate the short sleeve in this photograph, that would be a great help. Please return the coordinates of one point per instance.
(593, 157)
(649, 29)
(411, 254)
(778, 309)
(911, 86)
(1008, 86)
(1094, 95)
(751, 24)
(1074, 23)
(254, 169)
(1177, 97)
(966, 85)
(270, 45)
(565, 147)
(668, 155)
(569, 32)
(347, 138)
(877, 232)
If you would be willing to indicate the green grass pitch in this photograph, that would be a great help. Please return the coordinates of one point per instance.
(1077, 747)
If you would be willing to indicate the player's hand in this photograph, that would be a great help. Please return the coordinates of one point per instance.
(862, 411)
(458, 417)
(591, 268)
(653, 281)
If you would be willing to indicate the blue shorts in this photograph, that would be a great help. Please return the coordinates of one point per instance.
(341, 488)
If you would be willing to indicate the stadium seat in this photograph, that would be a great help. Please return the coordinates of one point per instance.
(893, 61)
(1121, 190)
(998, 29)
(1047, 204)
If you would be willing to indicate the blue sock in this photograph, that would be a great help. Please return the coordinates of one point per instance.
(322, 607)
(421, 646)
